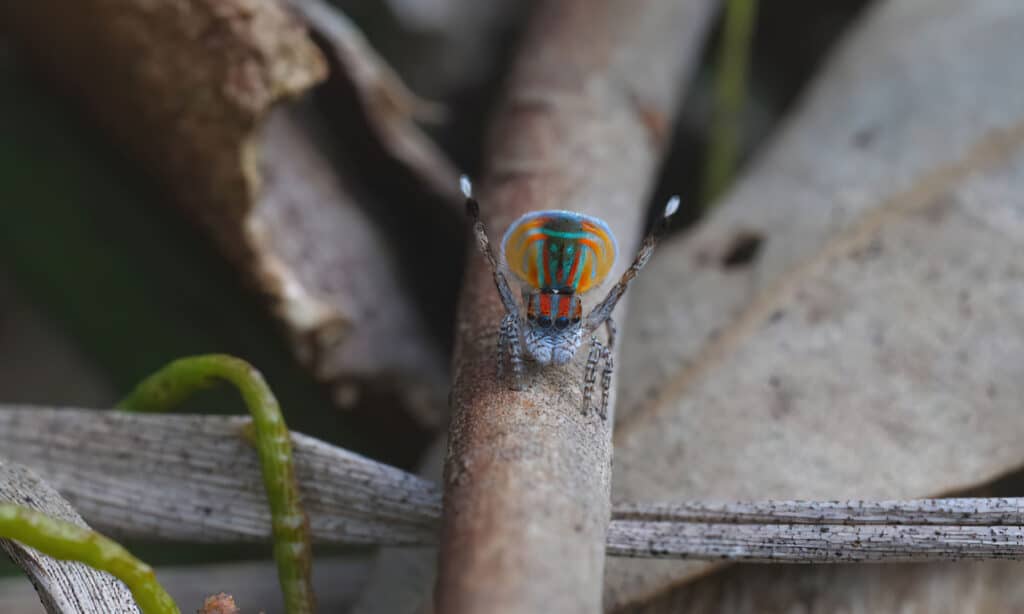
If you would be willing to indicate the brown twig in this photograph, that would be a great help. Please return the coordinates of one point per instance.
(582, 127)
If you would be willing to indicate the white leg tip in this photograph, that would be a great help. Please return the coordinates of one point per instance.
(672, 206)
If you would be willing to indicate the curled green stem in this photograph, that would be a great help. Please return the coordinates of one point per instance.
(64, 540)
(180, 379)
(730, 95)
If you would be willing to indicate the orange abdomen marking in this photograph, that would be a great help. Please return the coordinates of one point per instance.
(559, 250)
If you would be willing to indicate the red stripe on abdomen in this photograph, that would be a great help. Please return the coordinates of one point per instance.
(564, 302)
(545, 305)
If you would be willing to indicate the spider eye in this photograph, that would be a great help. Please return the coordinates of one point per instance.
(531, 317)
(576, 320)
(561, 322)
(544, 321)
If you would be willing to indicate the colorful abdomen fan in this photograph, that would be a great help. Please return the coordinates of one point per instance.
(559, 250)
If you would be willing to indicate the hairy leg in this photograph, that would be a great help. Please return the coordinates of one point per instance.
(609, 367)
(508, 334)
(484, 244)
(600, 313)
(508, 340)
(590, 372)
(503, 337)
(606, 381)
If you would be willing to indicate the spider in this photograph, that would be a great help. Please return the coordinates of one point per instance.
(557, 257)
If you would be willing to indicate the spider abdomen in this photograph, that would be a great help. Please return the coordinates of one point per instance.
(557, 256)
(560, 252)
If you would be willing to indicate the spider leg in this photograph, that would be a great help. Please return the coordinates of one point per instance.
(606, 381)
(484, 244)
(508, 341)
(503, 336)
(603, 310)
(612, 331)
(609, 367)
(590, 372)
(508, 334)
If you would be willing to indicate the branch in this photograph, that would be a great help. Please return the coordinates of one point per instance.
(995, 511)
(822, 531)
(817, 542)
(582, 127)
(194, 478)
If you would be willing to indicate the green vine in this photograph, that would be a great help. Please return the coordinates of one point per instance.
(64, 540)
(171, 385)
(732, 67)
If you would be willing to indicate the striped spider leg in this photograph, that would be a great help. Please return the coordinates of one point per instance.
(602, 314)
(509, 343)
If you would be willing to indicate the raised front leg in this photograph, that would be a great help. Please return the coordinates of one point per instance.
(508, 300)
(509, 339)
(603, 310)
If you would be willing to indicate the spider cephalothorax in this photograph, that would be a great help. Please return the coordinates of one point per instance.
(558, 256)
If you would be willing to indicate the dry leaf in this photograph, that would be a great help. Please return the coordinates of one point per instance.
(195, 83)
(337, 285)
(387, 104)
(936, 588)
(867, 343)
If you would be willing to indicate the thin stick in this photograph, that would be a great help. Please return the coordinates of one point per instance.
(64, 540)
(124, 472)
(177, 381)
(1006, 511)
(814, 543)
